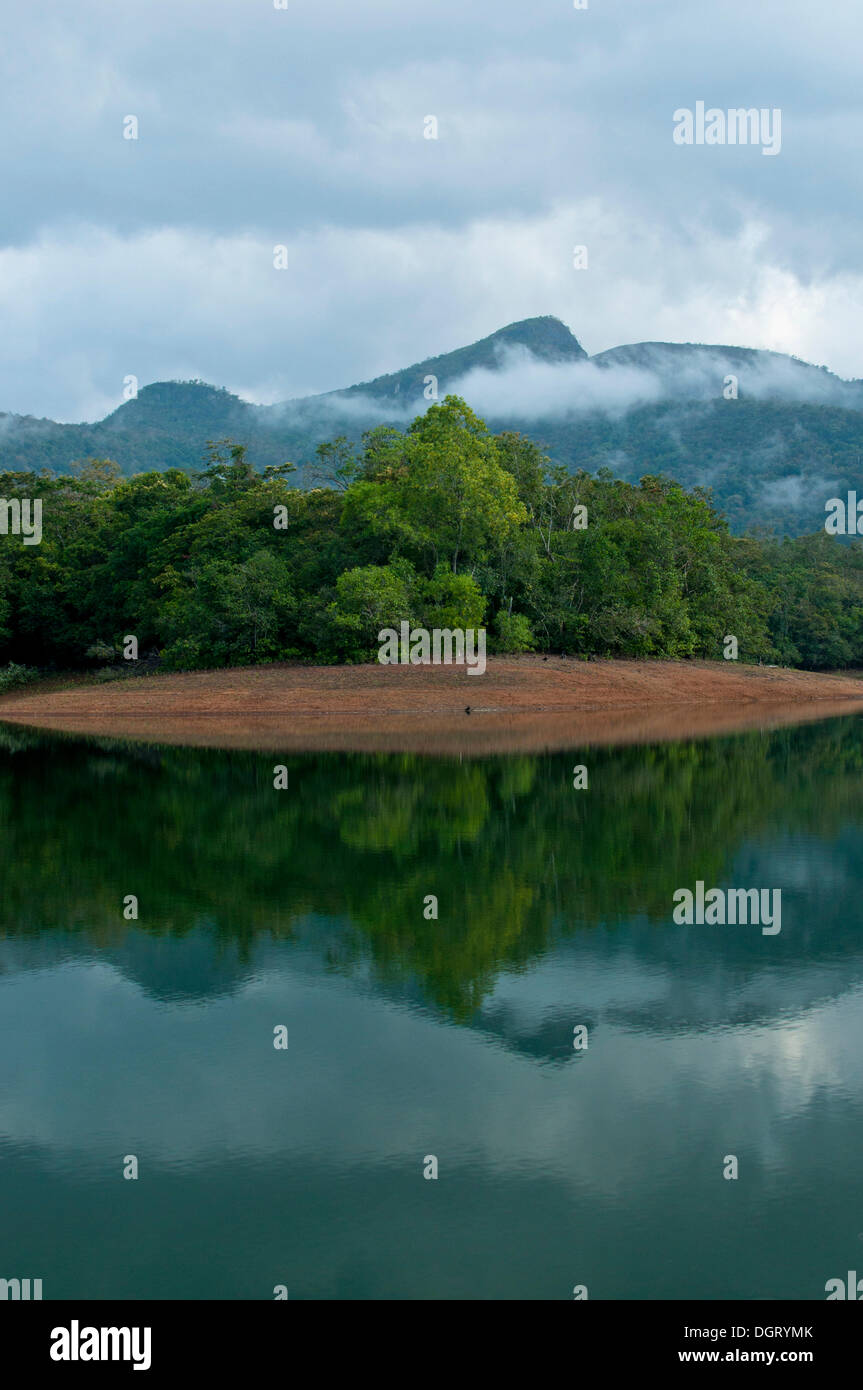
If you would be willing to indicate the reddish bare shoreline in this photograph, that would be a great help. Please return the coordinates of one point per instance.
(525, 703)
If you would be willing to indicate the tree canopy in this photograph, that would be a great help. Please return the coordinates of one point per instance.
(443, 524)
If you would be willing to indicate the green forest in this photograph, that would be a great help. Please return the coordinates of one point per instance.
(444, 524)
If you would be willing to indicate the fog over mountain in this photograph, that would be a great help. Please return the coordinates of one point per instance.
(773, 437)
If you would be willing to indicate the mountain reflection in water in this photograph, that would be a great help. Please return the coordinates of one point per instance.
(411, 1037)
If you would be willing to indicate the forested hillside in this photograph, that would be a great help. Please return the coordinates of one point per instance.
(444, 524)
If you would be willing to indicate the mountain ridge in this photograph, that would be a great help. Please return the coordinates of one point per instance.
(788, 430)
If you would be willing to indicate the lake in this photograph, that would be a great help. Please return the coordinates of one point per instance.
(413, 1038)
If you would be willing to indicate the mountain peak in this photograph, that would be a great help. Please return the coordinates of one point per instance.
(175, 404)
(545, 337)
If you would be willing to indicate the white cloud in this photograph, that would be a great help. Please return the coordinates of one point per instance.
(305, 127)
(87, 307)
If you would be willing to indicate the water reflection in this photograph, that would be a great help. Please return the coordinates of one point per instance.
(410, 1037)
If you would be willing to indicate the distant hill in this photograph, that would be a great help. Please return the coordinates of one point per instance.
(773, 443)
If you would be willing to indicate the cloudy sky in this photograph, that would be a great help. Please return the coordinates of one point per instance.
(304, 127)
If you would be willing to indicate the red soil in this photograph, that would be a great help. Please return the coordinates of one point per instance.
(521, 703)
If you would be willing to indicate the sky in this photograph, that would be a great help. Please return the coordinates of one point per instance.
(305, 127)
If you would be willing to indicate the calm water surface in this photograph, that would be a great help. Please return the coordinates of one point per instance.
(411, 1037)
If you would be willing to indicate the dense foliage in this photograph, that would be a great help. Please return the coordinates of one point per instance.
(443, 525)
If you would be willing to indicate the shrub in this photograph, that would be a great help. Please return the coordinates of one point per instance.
(513, 633)
(14, 675)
